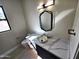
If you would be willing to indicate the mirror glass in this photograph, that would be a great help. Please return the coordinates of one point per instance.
(4, 24)
(46, 20)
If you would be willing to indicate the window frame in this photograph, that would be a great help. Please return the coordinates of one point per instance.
(6, 20)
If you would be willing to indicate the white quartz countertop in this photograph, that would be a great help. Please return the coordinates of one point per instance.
(59, 47)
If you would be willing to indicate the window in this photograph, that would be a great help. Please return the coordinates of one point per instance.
(4, 24)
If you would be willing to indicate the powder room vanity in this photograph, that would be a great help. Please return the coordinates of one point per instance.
(54, 47)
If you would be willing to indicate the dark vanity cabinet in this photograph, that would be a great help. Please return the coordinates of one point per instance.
(76, 56)
(44, 54)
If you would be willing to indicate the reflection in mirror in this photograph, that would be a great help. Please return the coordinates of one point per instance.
(4, 25)
(46, 20)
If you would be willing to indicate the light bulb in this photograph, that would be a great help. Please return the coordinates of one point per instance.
(50, 8)
(41, 10)
(49, 3)
(40, 5)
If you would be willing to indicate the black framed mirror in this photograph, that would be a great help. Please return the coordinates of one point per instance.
(46, 20)
(4, 24)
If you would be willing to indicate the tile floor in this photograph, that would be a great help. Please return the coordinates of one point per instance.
(28, 53)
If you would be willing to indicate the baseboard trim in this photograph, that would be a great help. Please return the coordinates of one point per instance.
(6, 54)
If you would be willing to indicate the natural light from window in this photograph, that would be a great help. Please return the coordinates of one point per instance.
(2, 14)
(4, 26)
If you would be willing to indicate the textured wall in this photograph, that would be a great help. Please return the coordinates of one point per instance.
(14, 12)
(74, 40)
(64, 17)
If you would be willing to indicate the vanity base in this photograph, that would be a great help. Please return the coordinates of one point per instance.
(44, 54)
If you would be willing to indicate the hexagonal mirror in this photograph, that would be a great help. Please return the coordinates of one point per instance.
(46, 20)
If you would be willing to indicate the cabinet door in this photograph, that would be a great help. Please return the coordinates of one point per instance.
(74, 40)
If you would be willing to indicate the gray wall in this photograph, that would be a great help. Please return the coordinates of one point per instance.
(74, 40)
(64, 17)
(14, 12)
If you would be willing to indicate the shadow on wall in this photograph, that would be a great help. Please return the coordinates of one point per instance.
(58, 18)
(64, 10)
(63, 14)
(64, 17)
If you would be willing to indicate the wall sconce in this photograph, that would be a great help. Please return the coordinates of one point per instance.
(46, 5)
